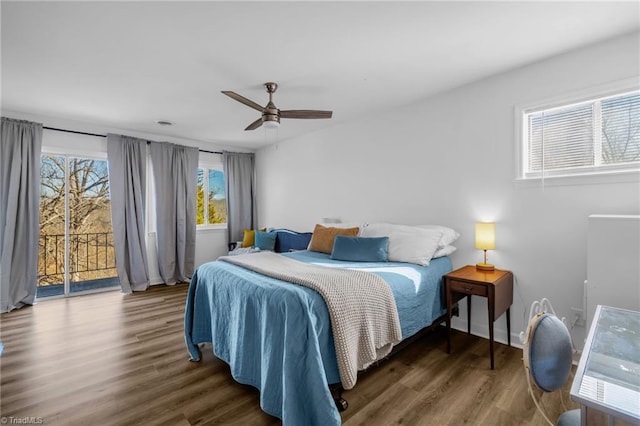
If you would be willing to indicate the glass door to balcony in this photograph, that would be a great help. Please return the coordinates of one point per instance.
(76, 252)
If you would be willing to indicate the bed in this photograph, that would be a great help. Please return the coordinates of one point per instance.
(277, 337)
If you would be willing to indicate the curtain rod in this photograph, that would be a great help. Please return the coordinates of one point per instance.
(104, 136)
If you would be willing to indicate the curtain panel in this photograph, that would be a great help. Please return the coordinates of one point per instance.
(239, 173)
(127, 178)
(175, 169)
(20, 149)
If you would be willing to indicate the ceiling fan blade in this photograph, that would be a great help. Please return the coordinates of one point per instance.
(305, 113)
(255, 124)
(242, 99)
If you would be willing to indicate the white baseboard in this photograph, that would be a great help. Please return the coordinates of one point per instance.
(498, 335)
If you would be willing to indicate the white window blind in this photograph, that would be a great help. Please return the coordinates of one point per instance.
(595, 136)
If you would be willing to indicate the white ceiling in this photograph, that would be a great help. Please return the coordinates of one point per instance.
(127, 64)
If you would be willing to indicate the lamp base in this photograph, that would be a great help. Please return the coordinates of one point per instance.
(485, 266)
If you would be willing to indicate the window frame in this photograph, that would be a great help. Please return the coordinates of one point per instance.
(591, 174)
(206, 166)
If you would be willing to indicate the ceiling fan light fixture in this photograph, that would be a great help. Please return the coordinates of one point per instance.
(271, 124)
(270, 117)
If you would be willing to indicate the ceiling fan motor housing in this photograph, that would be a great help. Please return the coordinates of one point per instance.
(271, 115)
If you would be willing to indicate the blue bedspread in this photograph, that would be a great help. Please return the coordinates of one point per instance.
(276, 336)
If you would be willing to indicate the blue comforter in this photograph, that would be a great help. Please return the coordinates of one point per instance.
(276, 336)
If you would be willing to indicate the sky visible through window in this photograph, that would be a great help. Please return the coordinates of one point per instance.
(216, 184)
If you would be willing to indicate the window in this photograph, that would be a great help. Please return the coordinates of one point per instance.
(212, 208)
(595, 136)
(76, 251)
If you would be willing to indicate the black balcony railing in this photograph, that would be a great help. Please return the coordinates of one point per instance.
(91, 257)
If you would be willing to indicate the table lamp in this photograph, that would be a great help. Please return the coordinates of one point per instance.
(485, 240)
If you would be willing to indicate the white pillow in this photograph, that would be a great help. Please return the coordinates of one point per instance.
(448, 235)
(445, 251)
(406, 243)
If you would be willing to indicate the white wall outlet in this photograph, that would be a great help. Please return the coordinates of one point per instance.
(577, 317)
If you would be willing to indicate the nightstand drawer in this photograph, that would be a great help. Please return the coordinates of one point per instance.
(468, 288)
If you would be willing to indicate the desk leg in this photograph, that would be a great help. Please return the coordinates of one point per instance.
(509, 326)
(468, 313)
(448, 298)
(491, 308)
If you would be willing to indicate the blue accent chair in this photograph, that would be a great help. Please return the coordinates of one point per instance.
(547, 359)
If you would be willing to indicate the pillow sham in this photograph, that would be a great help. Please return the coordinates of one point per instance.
(288, 240)
(265, 240)
(406, 243)
(322, 238)
(445, 251)
(448, 235)
(360, 249)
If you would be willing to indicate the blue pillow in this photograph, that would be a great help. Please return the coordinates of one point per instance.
(265, 240)
(360, 249)
(290, 240)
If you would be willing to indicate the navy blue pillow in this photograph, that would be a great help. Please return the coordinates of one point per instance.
(290, 240)
(360, 249)
(265, 240)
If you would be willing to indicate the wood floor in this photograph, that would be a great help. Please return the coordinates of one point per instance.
(114, 359)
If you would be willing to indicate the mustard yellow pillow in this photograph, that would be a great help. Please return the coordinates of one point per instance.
(249, 238)
(322, 238)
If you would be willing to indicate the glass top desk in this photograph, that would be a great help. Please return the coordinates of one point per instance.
(608, 375)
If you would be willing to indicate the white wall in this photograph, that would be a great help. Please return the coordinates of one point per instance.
(451, 160)
(210, 244)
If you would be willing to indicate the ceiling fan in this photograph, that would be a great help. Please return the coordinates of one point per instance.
(271, 115)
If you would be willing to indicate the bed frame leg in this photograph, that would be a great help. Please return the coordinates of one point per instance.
(195, 355)
(336, 392)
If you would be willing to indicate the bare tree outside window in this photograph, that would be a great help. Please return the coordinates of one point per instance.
(621, 129)
(87, 212)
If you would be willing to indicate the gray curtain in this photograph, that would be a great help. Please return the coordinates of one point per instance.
(239, 174)
(20, 149)
(175, 170)
(127, 179)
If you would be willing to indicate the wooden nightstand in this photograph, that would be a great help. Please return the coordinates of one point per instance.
(496, 286)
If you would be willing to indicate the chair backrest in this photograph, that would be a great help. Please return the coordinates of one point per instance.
(548, 351)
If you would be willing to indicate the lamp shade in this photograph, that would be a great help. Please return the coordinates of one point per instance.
(486, 236)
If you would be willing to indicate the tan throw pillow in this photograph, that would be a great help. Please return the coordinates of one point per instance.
(322, 238)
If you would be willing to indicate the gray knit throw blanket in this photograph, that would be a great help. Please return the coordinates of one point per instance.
(363, 312)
